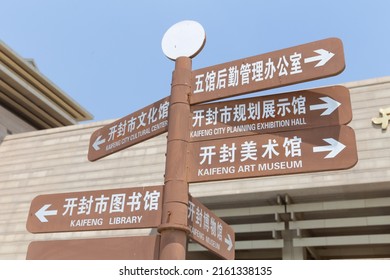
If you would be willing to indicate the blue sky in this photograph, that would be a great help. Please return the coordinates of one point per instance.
(107, 55)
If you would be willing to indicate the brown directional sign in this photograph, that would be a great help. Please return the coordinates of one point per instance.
(317, 149)
(304, 109)
(209, 230)
(96, 210)
(117, 248)
(293, 65)
(130, 130)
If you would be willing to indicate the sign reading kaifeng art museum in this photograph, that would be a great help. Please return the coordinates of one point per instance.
(290, 152)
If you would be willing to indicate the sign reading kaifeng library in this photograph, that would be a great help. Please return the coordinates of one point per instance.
(96, 210)
(304, 109)
(301, 151)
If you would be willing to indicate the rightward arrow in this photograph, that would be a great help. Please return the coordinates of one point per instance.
(330, 105)
(334, 148)
(229, 242)
(98, 142)
(43, 212)
(323, 57)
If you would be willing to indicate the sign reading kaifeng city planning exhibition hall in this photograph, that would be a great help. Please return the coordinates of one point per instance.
(267, 114)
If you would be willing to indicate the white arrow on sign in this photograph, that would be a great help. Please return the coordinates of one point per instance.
(334, 148)
(43, 212)
(323, 57)
(229, 242)
(98, 142)
(330, 105)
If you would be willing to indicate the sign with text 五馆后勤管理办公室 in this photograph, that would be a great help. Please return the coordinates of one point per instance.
(315, 60)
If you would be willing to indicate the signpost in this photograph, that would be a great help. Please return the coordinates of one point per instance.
(288, 133)
(209, 230)
(116, 248)
(304, 109)
(293, 65)
(318, 149)
(130, 130)
(96, 210)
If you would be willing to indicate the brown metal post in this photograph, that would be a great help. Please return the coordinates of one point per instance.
(173, 228)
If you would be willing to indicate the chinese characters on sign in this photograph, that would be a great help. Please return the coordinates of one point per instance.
(130, 130)
(246, 73)
(300, 151)
(282, 112)
(209, 230)
(96, 210)
(384, 119)
(302, 63)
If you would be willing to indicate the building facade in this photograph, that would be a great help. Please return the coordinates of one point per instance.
(321, 215)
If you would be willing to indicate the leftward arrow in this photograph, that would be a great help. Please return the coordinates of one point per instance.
(98, 142)
(330, 105)
(323, 57)
(229, 242)
(43, 212)
(334, 148)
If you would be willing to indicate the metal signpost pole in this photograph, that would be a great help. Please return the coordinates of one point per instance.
(173, 228)
(180, 43)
